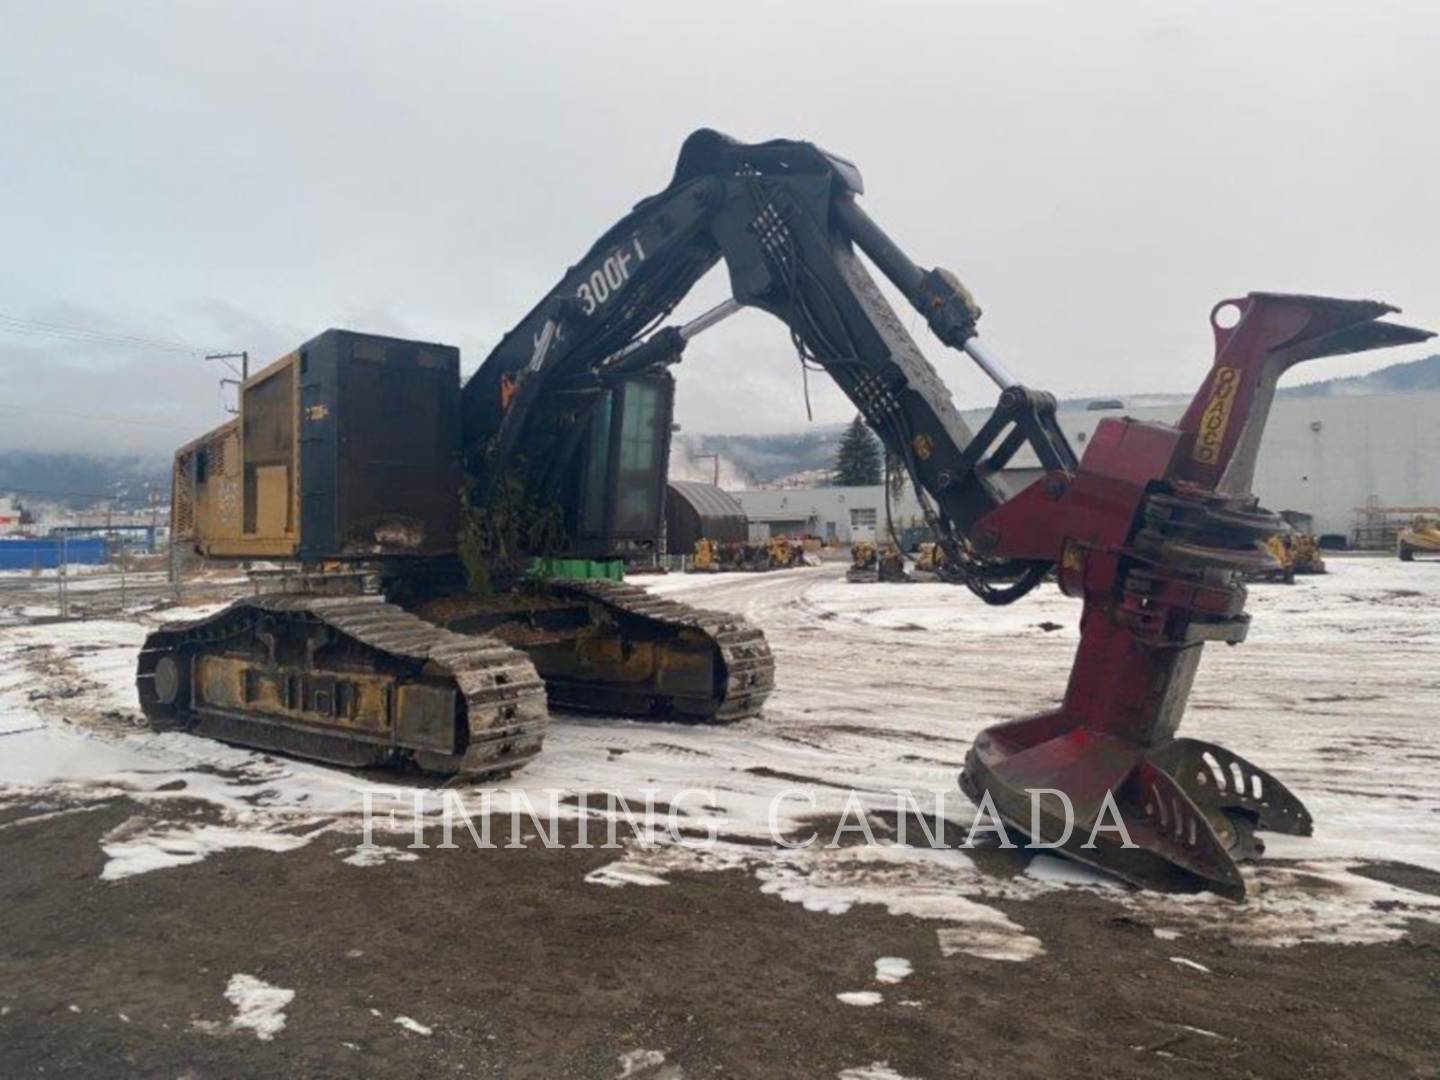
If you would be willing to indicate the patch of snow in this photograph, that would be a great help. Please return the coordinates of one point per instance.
(891, 969)
(414, 1025)
(1166, 934)
(876, 1070)
(621, 873)
(1189, 963)
(649, 1064)
(1201, 1031)
(132, 852)
(990, 939)
(259, 1006)
(920, 882)
(376, 854)
(863, 998)
(38, 752)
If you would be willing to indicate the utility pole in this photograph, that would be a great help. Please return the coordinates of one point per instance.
(60, 575)
(716, 459)
(241, 376)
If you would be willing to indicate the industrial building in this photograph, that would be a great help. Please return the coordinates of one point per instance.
(1326, 456)
(838, 515)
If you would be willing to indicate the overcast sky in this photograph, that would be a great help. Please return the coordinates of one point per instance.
(245, 175)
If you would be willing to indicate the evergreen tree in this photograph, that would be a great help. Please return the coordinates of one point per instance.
(858, 461)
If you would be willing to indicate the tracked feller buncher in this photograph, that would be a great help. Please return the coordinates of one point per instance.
(347, 456)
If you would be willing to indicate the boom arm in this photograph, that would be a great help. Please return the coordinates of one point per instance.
(783, 217)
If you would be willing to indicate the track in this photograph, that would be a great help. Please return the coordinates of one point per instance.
(345, 641)
(749, 667)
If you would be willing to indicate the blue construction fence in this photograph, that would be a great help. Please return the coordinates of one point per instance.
(45, 553)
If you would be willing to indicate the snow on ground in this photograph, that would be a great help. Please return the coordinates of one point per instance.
(892, 969)
(137, 846)
(258, 1005)
(646, 1065)
(876, 1070)
(879, 687)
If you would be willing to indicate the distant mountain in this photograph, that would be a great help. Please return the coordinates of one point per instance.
(1415, 376)
(81, 479)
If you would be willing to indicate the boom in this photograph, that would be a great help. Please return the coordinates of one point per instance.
(783, 216)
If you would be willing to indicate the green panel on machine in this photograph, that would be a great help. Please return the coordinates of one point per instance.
(553, 569)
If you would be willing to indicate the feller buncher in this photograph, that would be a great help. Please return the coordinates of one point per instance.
(419, 627)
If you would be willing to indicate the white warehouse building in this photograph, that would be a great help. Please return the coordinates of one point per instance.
(1325, 456)
(836, 514)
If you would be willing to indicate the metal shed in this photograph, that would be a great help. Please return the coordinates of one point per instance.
(694, 509)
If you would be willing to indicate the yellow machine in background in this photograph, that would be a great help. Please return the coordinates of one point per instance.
(1305, 554)
(778, 553)
(1421, 538)
(930, 558)
(707, 557)
(870, 561)
(1294, 552)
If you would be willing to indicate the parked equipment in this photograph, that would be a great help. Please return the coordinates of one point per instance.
(930, 559)
(777, 553)
(1291, 553)
(1421, 538)
(870, 562)
(345, 452)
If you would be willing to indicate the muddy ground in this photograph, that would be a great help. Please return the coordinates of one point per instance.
(520, 970)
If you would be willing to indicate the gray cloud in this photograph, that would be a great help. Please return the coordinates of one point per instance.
(245, 175)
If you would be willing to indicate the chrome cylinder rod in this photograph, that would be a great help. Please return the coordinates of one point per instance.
(704, 321)
(990, 364)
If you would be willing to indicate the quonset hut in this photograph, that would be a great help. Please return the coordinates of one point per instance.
(694, 510)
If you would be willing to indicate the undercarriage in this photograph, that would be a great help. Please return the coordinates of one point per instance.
(459, 684)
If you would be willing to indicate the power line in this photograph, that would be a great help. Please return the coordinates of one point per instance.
(15, 324)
